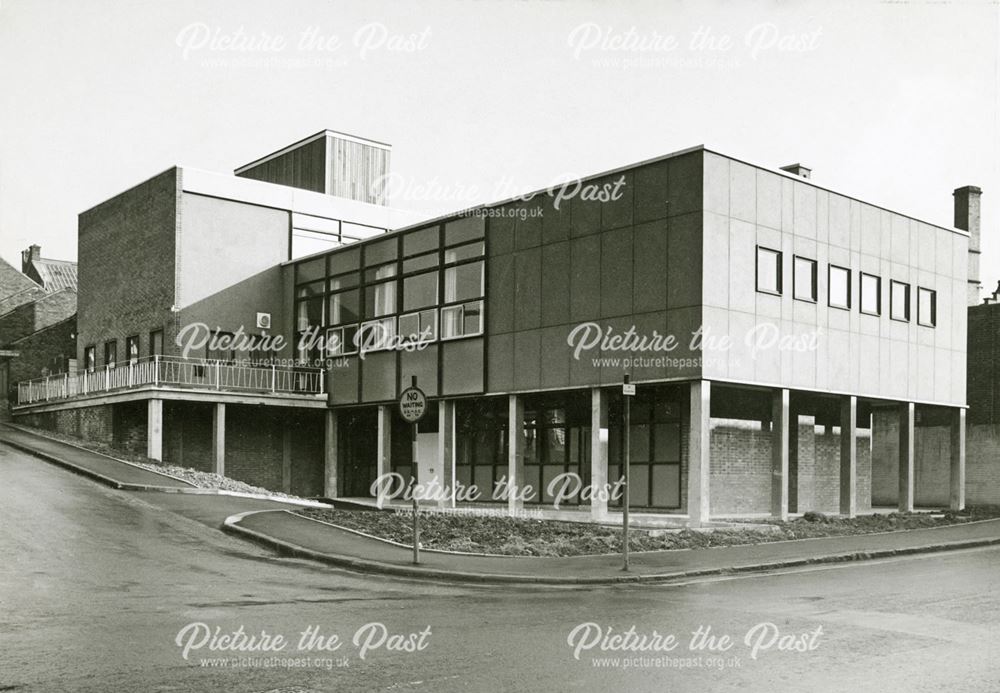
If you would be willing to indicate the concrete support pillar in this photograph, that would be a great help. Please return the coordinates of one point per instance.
(515, 454)
(598, 451)
(779, 454)
(907, 419)
(848, 456)
(330, 455)
(219, 438)
(699, 444)
(446, 450)
(957, 495)
(793, 461)
(286, 458)
(384, 447)
(154, 429)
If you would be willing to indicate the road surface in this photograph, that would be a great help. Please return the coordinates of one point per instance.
(97, 586)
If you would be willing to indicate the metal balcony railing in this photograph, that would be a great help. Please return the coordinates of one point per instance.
(168, 371)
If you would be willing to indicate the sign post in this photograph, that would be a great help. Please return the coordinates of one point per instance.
(628, 392)
(412, 407)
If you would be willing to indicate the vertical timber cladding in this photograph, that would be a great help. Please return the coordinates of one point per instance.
(303, 167)
(357, 170)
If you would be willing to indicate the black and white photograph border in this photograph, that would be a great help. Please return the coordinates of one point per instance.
(521, 345)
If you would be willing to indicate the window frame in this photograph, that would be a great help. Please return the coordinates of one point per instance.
(111, 346)
(933, 296)
(90, 364)
(814, 297)
(780, 271)
(129, 341)
(892, 301)
(861, 294)
(153, 336)
(829, 287)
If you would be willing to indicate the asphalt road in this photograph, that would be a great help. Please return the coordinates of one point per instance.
(96, 586)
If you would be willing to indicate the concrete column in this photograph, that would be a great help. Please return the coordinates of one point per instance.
(793, 461)
(384, 446)
(446, 449)
(699, 458)
(154, 429)
(219, 438)
(779, 454)
(907, 418)
(848, 456)
(286, 458)
(330, 455)
(515, 453)
(957, 496)
(598, 450)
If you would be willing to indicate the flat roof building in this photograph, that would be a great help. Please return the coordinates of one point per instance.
(765, 320)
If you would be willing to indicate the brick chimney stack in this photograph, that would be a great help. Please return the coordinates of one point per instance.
(967, 219)
(32, 254)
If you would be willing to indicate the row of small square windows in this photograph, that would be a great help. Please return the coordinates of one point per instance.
(805, 288)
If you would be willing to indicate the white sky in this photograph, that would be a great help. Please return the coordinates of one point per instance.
(896, 103)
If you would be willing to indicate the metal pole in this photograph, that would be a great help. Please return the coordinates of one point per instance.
(416, 507)
(626, 445)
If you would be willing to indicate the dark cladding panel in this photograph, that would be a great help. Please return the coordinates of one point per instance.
(500, 363)
(422, 363)
(649, 291)
(500, 294)
(528, 288)
(462, 367)
(527, 359)
(378, 377)
(342, 381)
(684, 255)
(585, 278)
(556, 355)
(616, 272)
(555, 287)
(651, 193)
(685, 184)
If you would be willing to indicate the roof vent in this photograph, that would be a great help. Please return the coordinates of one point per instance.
(798, 170)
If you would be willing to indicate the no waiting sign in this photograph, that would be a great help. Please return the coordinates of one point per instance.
(412, 404)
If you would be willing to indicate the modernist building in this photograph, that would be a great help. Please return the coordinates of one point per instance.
(766, 321)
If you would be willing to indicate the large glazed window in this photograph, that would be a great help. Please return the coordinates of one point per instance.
(871, 294)
(840, 287)
(899, 301)
(926, 307)
(804, 281)
(768, 270)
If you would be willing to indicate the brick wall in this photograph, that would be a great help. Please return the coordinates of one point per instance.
(740, 474)
(931, 464)
(47, 310)
(126, 266)
(95, 424)
(42, 353)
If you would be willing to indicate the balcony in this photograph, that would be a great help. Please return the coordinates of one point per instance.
(171, 372)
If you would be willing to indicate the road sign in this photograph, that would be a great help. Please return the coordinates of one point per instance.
(628, 389)
(412, 404)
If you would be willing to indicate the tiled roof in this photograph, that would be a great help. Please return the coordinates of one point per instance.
(56, 274)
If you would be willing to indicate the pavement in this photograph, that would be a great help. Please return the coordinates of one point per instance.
(269, 523)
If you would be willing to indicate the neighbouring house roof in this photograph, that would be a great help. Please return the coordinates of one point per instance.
(56, 275)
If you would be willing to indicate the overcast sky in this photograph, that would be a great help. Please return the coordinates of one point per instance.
(892, 102)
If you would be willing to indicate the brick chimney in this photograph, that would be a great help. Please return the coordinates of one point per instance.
(798, 170)
(967, 219)
(32, 254)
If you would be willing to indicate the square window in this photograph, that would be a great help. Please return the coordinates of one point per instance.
(462, 321)
(377, 334)
(804, 280)
(840, 287)
(341, 340)
(768, 270)
(899, 301)
(420, 326)
(463, 281)
(871, 294)
(380, 299)
(344, 307)
(926, 307)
